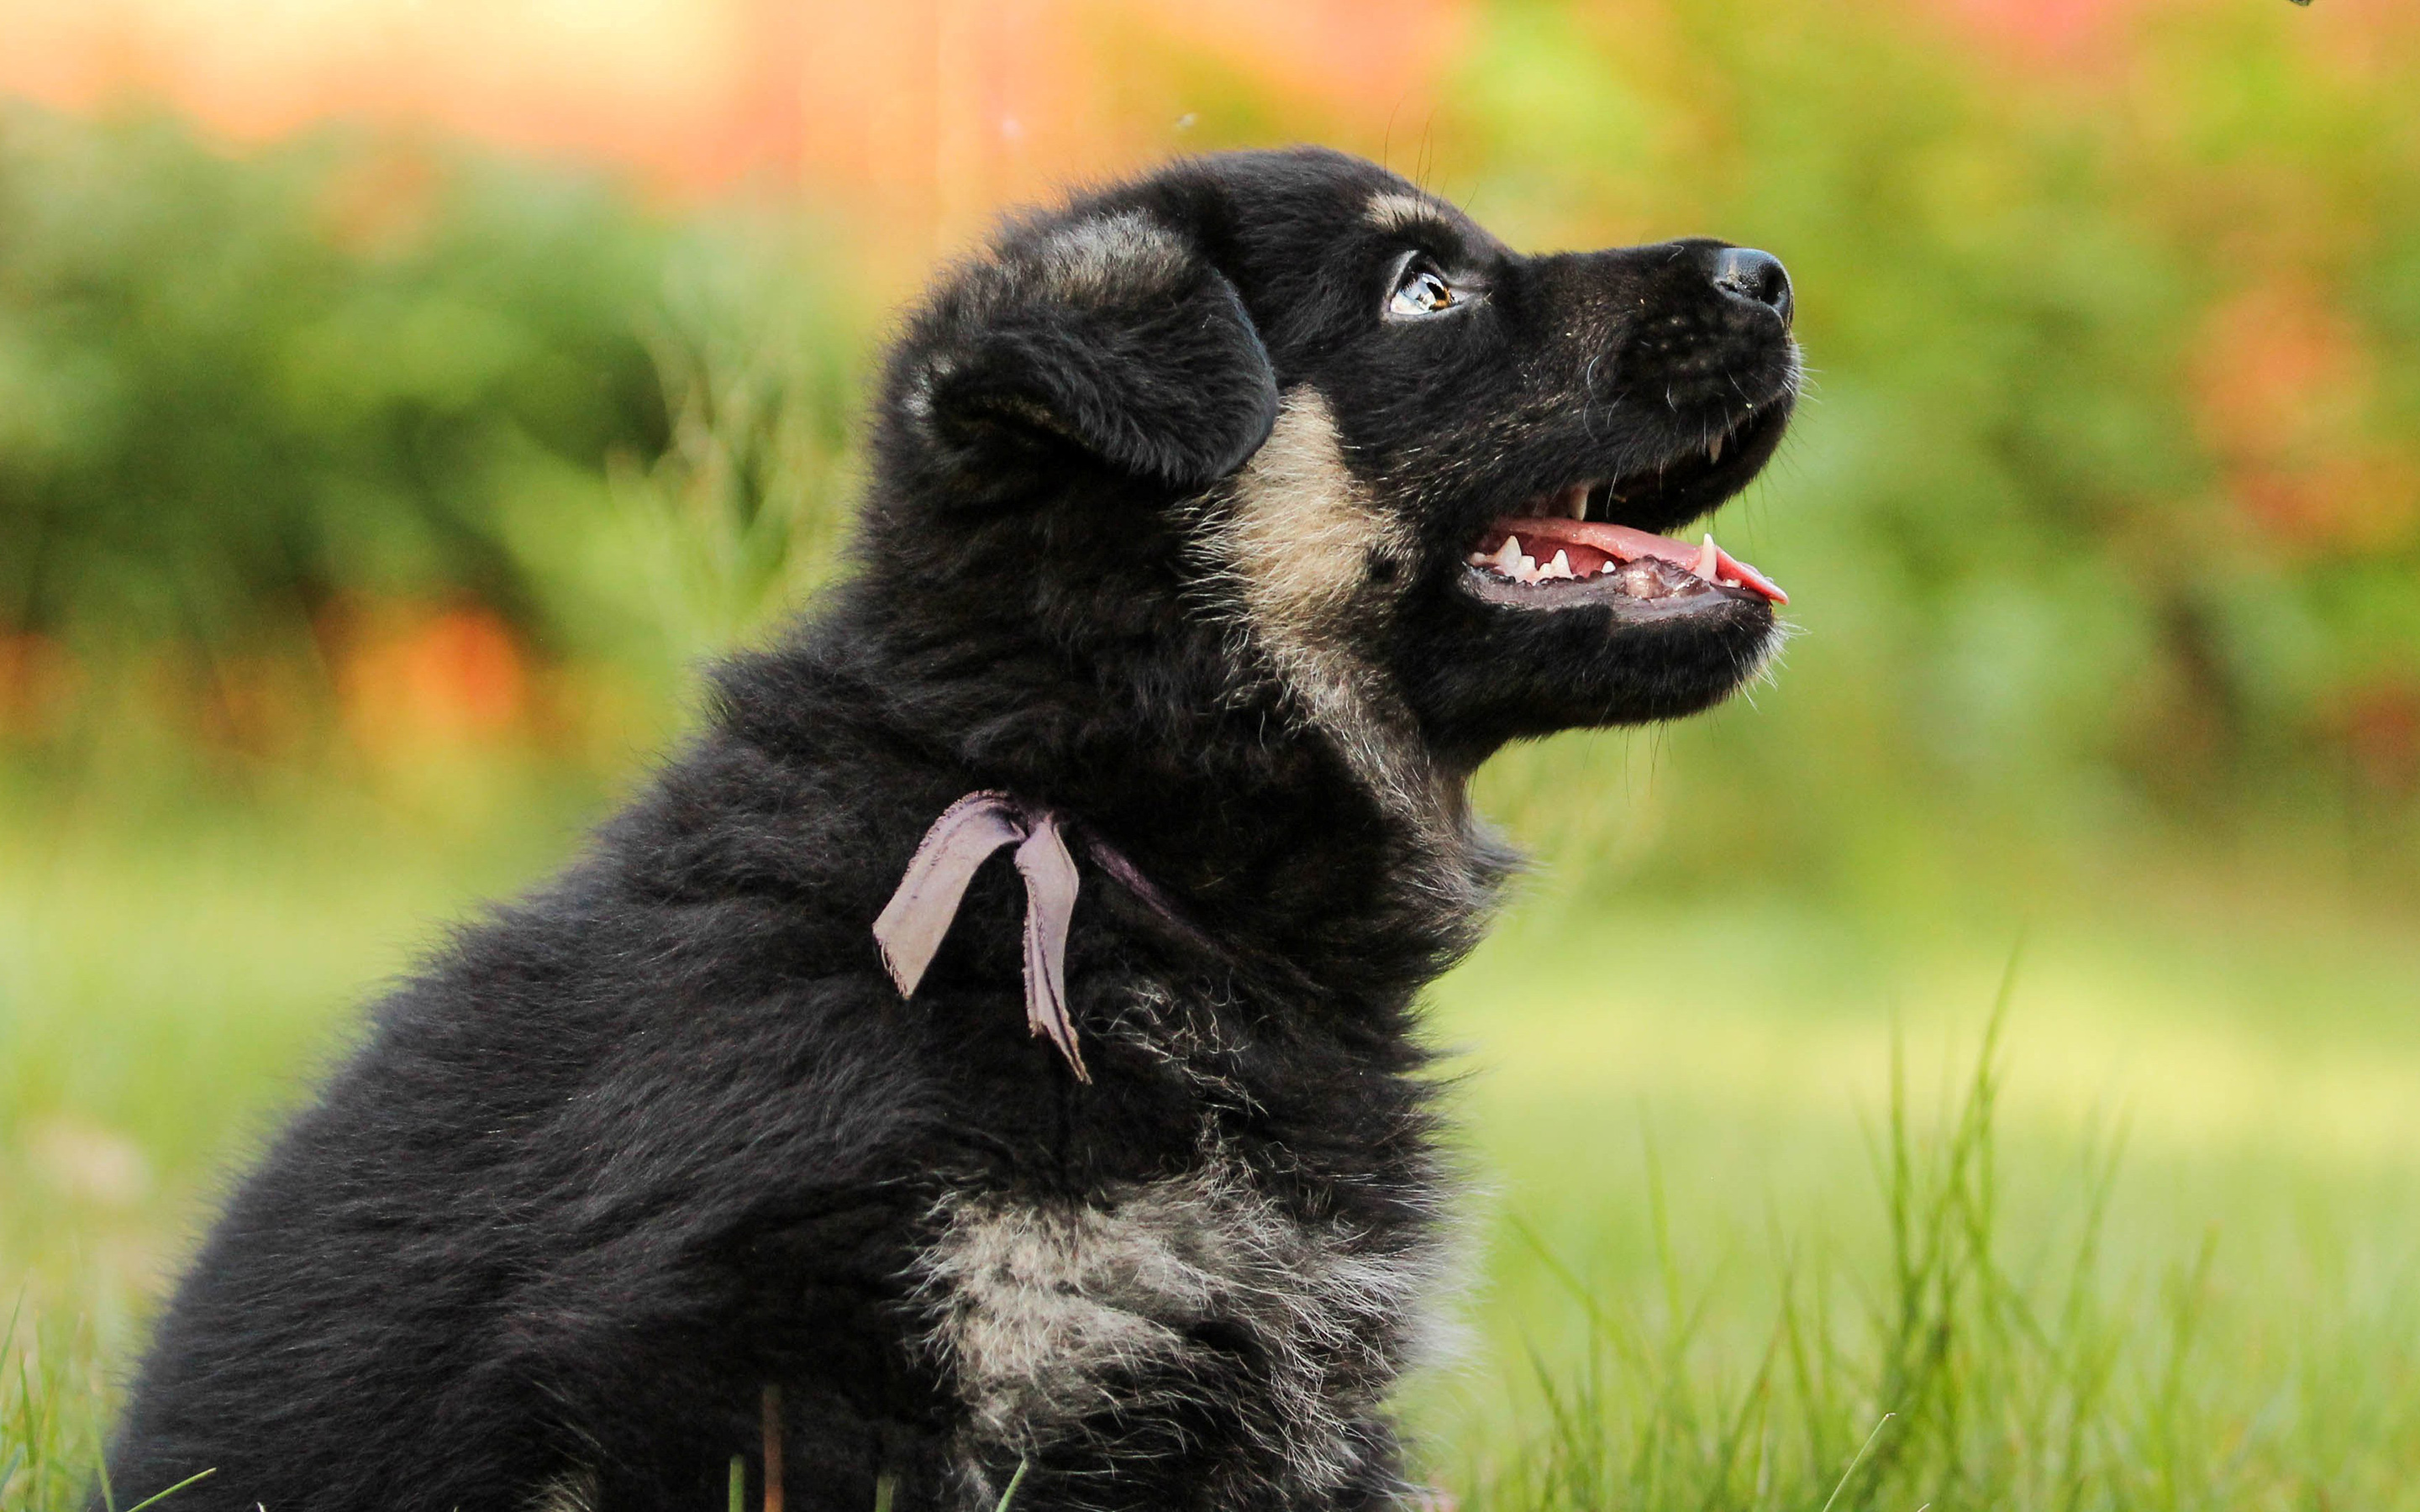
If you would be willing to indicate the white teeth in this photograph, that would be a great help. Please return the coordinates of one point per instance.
(1609, 565)
(1509, 561)
(1708, 563)
(1714, 450)
(1575, 501)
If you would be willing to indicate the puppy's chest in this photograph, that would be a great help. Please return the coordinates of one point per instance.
(1242, 1284)
(1053, 1317)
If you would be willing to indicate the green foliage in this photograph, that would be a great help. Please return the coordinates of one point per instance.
(2103, 517)
(2103, 511)
(236, 393)
(1971, 1352)
(759, 350)
(51, 1413)
(232, 389)
(1982, 1388)
(262, 417)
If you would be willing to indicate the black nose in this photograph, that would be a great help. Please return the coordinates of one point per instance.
(1745, 274)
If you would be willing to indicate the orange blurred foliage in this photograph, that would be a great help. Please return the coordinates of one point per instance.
(2087, 36)
(39, 679)
(407, 677)
(2048, 31)
(2283, 390)
(2379, 725)
(384, 202)
(928, 113)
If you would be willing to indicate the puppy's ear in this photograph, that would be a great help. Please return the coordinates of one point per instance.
(1108, 334)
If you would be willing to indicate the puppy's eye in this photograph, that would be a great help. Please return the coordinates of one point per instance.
(1422, 289)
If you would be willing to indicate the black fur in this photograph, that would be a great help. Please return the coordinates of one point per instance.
(664, 1133)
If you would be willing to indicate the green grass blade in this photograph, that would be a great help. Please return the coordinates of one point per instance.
(108, 1497)
(1851, 1472)
(1014, 1482)
(162, 1496)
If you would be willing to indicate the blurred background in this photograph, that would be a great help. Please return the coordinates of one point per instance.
(399, 398)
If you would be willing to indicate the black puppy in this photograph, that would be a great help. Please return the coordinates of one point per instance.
(1221, 523)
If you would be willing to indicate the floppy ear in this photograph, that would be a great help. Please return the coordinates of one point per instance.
(1106, 333)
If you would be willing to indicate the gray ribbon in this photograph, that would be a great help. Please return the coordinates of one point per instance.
(912, 924)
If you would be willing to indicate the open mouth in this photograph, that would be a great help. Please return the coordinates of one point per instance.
(1566, 547)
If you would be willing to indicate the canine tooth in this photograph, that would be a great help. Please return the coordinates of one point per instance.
(1575, 501)
(1708, 560)
(1560, 567)
(1714, 450)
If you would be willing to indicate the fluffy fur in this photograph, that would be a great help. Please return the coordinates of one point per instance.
(1167, 529)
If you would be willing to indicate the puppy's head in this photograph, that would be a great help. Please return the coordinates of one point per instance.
(1434, 483)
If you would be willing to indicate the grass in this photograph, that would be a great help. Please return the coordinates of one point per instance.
(2145, 1239)
(1749, 1256)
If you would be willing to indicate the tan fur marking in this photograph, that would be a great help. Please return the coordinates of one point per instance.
(1296, 544)
(1400, 212)
(574, 1491)
(1112, 256)
(1043, 1311)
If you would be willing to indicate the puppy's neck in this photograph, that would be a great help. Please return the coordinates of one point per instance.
(1264, 828)
(1196, 678)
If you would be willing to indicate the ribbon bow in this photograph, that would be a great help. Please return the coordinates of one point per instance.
(912, 924)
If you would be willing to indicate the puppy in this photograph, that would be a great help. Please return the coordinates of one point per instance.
(988, 1050)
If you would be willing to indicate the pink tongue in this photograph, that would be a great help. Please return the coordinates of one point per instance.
(1623, 544)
